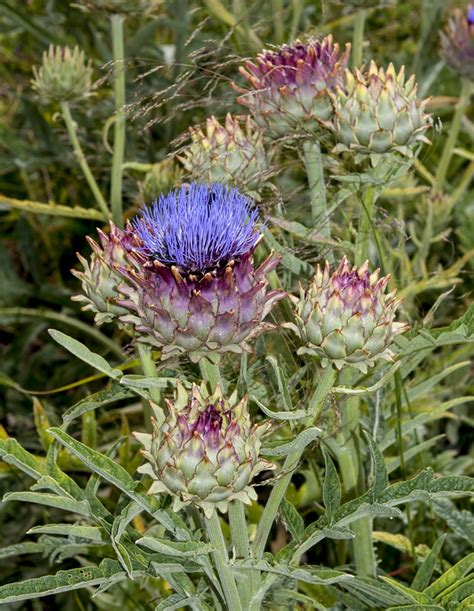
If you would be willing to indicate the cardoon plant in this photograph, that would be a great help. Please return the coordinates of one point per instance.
(339, 401)
(183, 269)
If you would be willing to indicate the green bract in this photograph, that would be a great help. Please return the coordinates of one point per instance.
(206, 453)
(231, 153)
(100, 278)
(346, 318)
(377, 113)
(64, 75)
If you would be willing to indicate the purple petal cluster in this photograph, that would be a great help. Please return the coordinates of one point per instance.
(302, 63)
(289, 88)
(198, 227)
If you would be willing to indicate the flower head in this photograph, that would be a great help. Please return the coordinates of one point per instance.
(457, 42)
(232, 153)
(64, 75)
(346, 318)
(289, 86)
(181, 276)
(377, 113)
(198, 228)
(206, 453)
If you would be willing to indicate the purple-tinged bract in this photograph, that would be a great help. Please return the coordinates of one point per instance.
(198, 228)
(346, 318)
(457, 42)
(181, 276)
(289, 86)
(206, 453)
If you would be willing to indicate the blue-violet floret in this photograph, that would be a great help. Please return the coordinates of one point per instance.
(198, 227)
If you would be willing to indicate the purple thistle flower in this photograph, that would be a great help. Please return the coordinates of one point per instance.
(181, 276)
(198, 227)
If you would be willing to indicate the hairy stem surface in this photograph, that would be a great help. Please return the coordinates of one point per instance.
(81, 158)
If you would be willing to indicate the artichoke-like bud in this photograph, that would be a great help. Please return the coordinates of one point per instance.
(64, 75)
(377, 113)
(346, 318)
(162, 177)
(184, 274)
(206, 453)
(192, 286)
(289, 87)
(232, 153)
(457, 42)
(100, 277)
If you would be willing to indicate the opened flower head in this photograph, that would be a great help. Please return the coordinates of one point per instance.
(289, 86)
(181, 276)
(198, 228)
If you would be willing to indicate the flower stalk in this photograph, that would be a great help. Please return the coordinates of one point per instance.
(221, 559)
(365, 225)
(347, 451)
(119, 125)
(240, 542)
(454, 128)
(81, 158)
(358, 37)
(149, 369)
(315, 170)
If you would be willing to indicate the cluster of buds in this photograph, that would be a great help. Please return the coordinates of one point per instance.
(232, 153)
(181, 275)
(289, 87)
(206, 453)
(346, 318)
(64, 75)
(457, 42)
(377, 113)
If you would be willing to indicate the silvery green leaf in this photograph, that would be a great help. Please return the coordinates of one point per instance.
(90, 533)
(51, 500)
(92, 402)
(331, 488)
(291, 519)
(82, 352)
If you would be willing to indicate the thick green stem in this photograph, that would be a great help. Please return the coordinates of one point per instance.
(358, 38)
(291, 462)
(463, 101)
(325, 384)
(221, 559)
(81, 158)
(365, 226)
(362, 546)
(315, 171)
(210, 373)
(240, 541)
(149, 369)
(348, 455)
(119, 125)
